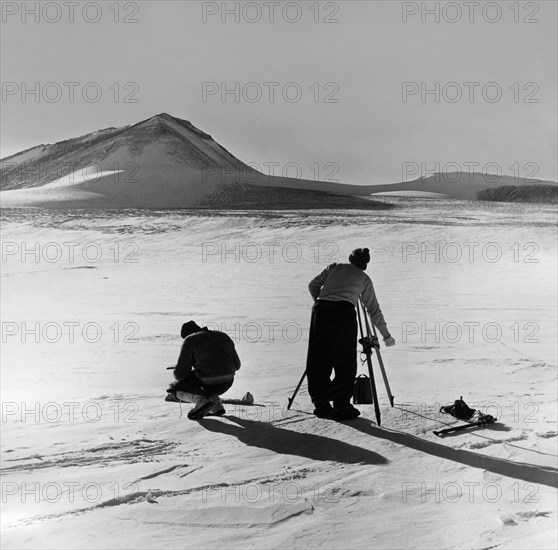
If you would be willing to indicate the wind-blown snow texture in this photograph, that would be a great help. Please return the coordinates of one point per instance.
(124, 470)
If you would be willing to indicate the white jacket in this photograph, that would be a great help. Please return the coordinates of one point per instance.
(346, 282)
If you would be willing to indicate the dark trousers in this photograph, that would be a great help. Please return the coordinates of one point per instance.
(192, 384)
(332, 347)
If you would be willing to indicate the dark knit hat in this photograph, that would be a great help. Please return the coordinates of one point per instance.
(360, 257)
(189, 328)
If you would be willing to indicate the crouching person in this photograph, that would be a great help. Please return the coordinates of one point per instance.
(205, 370)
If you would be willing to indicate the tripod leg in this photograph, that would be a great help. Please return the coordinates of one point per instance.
(380, 361)
(291, 399)
(370, 372)
(362, 336)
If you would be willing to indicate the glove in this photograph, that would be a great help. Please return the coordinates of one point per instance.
(389, 342)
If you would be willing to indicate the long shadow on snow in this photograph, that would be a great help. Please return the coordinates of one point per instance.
(282, 441)
(543, 475)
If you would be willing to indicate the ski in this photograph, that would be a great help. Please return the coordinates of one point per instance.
(441, 433)
(246, 399)
(237, 402)
(462, 411)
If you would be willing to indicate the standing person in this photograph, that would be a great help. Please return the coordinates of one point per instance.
(333, 333)
(205, 370)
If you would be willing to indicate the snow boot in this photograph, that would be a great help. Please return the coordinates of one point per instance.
(217, 409)
(323, 410)
(201, 410)
(344, 411)
(203, 404)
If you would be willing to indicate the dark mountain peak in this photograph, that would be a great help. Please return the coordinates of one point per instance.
(173, 123)
(165, 117)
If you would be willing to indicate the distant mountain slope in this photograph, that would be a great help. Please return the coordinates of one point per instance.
(458, 185)
(166, 162)
(547, 194)
(159, 162)
(183, 142)
(250, 197)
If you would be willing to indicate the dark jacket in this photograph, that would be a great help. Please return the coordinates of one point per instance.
(210, 354)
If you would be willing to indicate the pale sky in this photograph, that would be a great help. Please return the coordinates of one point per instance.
(369, 135)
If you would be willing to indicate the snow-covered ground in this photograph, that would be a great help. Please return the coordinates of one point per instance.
(93, 457)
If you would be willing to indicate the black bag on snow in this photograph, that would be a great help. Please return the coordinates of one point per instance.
(362, 392)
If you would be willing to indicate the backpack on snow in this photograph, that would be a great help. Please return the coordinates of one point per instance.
(462, 411)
